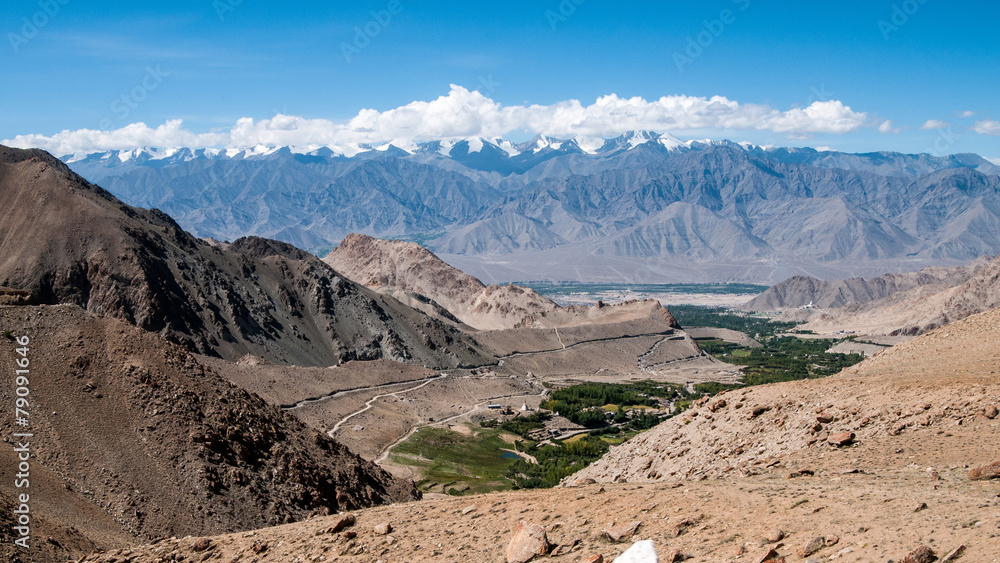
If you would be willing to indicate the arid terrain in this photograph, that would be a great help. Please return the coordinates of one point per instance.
(728, 483)
(196, 400)
(894, 304)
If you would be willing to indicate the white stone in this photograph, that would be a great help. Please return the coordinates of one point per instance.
(641, 552)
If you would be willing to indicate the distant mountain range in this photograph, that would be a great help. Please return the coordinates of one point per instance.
(640, 207)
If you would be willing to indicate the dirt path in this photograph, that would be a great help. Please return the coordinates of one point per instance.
(583, 342)
(335, 394)
(371, 401)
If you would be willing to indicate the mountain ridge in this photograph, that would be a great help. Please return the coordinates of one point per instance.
(254, 297)
(496, 202)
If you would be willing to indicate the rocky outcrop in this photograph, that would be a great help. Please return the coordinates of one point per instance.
(408, 268)
(800, 291)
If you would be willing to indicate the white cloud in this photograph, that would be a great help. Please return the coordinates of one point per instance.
(463, 113)
(934, 124)
(966, 113)
(887, 127)
(987, 127)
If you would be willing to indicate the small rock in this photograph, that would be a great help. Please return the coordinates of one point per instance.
(768, 554)
(468, 509)
(921, 506)
(717, 404)
(529, 540)
(202, 544)
(343, 521)
(922, 554)
(841, 438)
(383, 529)
(622, 532)
(674, 556)
(813, 546)
(831, 540)
(774, 535)
(991, 412)
(563, 549)
(640, 552)
(594, 559)
(825, 418)
(954, 554)
(991, 471)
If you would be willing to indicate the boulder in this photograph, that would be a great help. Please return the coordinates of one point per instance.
(342, 522)
(529, 541)
(774, 535)
(991, 471)
(811, 547)
(922, 554)
(768, 554)
(622, 532)
(841, 438)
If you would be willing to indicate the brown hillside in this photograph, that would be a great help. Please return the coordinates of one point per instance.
(133, 437)
(411, 269)
(68, 241)
(918, 310)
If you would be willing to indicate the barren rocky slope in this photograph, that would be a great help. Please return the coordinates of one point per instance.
(134, 438)
(914, 311)
(68, 241)
(930, 387)
(409, 268)
(732, 482)
(799, 291)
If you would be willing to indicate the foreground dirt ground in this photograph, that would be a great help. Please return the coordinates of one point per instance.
(874, 517)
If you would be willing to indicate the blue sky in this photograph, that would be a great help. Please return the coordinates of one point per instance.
(916, 76)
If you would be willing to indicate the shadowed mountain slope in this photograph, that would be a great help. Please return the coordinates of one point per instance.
(134, 438)
(68, 241)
